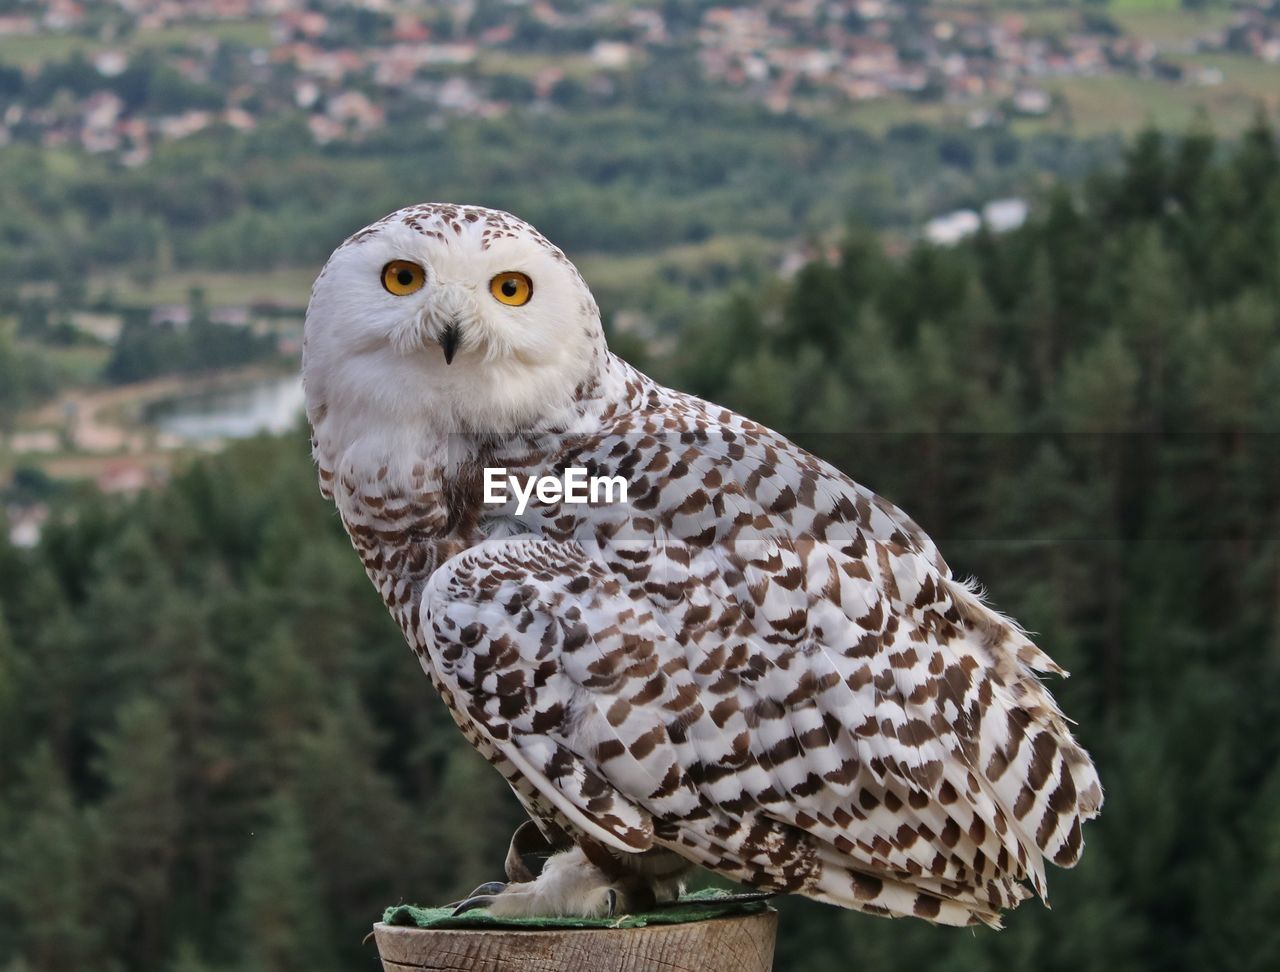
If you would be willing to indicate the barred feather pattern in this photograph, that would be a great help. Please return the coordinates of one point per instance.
(756, 663)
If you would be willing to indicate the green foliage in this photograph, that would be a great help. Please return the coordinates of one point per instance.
(219, 756)
(8, 700)
(145, 350)
(48, 862)
(148, 83)
(25, 379)
(139, 767)
(277, 912)
(676, 165)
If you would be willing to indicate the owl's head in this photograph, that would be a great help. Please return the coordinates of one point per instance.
(460, 318)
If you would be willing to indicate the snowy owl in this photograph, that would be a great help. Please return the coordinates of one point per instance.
(752, 664)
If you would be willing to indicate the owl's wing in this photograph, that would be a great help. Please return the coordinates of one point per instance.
(916, 721)
(534, 646)
(649, 707)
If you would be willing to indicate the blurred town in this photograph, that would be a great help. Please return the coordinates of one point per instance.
(118, 76)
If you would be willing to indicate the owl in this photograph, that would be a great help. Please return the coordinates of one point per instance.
(752, 663)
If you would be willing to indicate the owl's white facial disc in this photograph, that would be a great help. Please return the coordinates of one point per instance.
(443, 350)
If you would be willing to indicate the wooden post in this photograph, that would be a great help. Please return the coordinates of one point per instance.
(735, 944)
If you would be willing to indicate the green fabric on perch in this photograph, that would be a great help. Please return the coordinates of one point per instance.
(698, 906)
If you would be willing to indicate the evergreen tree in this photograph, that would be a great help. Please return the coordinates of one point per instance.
(352, 815)
(1192, 166)
(187, 958)
(1099, 388)
(48, 906)
(141, 824)
(1041, 340)
(1149, 314)
(1143, 186)
(820, 310)
(278, 912)
(711, 350)
(9, 720)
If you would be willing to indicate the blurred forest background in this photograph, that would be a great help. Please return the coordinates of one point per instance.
(216, 754)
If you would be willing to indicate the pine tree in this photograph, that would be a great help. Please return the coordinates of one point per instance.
(1099, 389)
(187, 958)
(759, 387)
(278, 912)
(1151, 311)
(47, 871)
(878, 373)
(9, 716)
(141, 823)
(1069, 234)
(1225, 358)
(1191, 184)
(287, 699)
(1254, 947)
(977, 335)
(369, 849)
(1192, 166)
(1256, 166)
(1143, 187)
(819, 311)
(863, 265)
(1042, 342)
(712, 347)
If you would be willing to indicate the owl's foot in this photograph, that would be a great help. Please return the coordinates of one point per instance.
(569, 886)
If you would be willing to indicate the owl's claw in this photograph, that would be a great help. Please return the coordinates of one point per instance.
(474, 902)
(476, 897)
(530, 847)
(612, 897)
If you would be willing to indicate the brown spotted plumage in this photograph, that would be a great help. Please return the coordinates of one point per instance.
(754, 664)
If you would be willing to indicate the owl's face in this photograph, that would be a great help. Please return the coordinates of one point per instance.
(464, 318)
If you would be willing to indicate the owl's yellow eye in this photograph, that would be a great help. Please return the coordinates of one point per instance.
(512, 288)
(402, 278)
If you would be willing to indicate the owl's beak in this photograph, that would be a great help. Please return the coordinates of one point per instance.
(449, 342)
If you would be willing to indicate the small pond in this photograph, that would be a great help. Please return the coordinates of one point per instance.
(267, 405)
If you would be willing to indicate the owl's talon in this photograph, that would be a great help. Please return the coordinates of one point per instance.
(472, 903)
(530, 848)
(488, 888)
(612, 897)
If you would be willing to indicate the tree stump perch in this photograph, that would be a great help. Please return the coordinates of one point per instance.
(739, 943)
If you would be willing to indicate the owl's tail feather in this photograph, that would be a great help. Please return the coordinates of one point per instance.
(1027, 757)
(891, 897)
